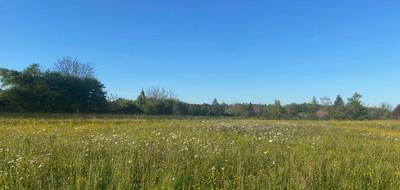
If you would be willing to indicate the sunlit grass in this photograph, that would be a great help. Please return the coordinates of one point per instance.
(156, 153)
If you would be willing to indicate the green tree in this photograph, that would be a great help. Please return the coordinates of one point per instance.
(396, 112)
(180, 108)
(313, 107)
(338, 111)
(72, 67)
(275, 111)
(216, 108)
(36, 91)
(250, 110)
(354, 108)
(123, 106)
(141, 99)
(338, 101)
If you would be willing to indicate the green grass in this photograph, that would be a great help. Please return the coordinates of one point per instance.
(166, 153)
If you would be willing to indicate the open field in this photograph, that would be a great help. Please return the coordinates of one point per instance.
(156, 153)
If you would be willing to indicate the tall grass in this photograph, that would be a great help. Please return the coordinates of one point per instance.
(151, 153)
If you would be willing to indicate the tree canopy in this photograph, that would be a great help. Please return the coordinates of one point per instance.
(71, 87)
(34, 90)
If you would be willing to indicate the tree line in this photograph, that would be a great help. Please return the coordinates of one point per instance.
(71, 87)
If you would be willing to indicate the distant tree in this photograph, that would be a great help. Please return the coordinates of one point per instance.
(325, 108)
(250, 110)
(160, 107)
(386, 110)
(2, 102)
(36, 91)
(314, 101)
(275, 111)
(312, 108)
(241, 109)
(338, 111)
(386, 106)
(158, 101)
(292, 110)
(123, 106)
(339, 101)
(71, 87)
(322, 114)
(396, 112)
(199, 109)
(141, 99)
(381, 112)
(180, 108)
(259, 110)
(325, 101)
(354, 107)
(23, 90)
(216, 108)
(69, 66)
(235, 110)
(303, 112)
(159, 93)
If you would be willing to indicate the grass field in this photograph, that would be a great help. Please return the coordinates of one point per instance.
(157, 153)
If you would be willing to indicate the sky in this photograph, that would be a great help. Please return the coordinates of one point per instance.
(236, 51)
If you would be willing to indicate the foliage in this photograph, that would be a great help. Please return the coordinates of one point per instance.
(396, 112)
(71, 87)
(354, 108)
(141, 99)
(72, 67)
(338, 110)
(33, 90)
(123, 106)
(216, 109)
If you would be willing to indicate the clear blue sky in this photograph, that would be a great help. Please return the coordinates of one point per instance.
(237, 51)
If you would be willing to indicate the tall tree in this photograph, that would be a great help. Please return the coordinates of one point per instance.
(396, 112)
(159, 93)
(216, 108)
(72, 67)
(325, 101)
(250, 110)
(354, 107)
(292, 110)
(141, 99)
(180, 108)
(123, 106)
(338, 101)
(338, 110)
(313, 107)
(36, 91)
(276, 110)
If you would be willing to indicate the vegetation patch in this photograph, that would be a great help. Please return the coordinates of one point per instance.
(160, 153)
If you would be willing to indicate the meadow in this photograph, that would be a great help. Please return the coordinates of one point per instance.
(197, 153)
